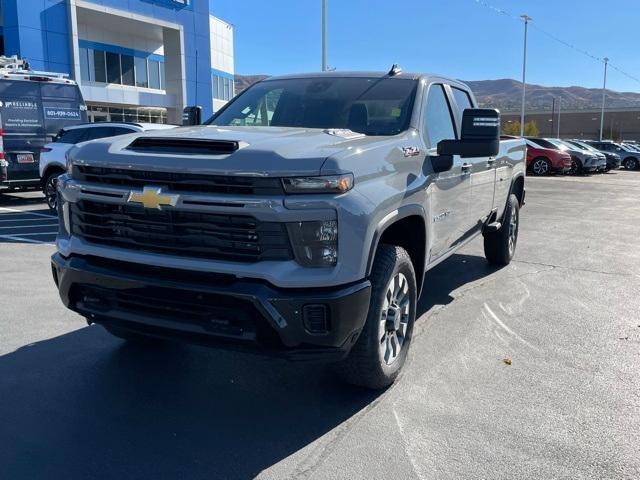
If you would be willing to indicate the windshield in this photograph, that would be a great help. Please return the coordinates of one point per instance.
(373, 106)
(581, 145)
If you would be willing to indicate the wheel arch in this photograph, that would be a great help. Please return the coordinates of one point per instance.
(517, 188)
(393, 230)
(52, 167)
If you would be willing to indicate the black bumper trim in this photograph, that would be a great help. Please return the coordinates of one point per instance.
(277, 313)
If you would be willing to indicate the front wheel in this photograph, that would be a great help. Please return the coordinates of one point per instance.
(500, 246)
(576, 166)
(50, 190)
(380, 352)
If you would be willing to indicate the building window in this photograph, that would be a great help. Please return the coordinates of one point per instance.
(162, 79)
(100, 66)
(222, 87)
(85, 72)
(113, 68)
(128, 77)
(142, 74)
(154, 74)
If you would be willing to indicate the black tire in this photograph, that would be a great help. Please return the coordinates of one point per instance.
(576, 166)
(631, 163)
(541, 166)
(49, 189)
(127, 335)
(500, 246)
(367, 365)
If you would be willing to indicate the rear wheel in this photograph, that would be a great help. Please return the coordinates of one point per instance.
(50, 189)
(500, 246)
(381, 350)
(541, 166)
(631, 163)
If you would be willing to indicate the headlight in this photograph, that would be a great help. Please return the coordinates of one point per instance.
(325, 184)
(315, 244)
(69, 163)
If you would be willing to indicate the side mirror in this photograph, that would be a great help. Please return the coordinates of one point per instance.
(480, 135)
(192, 116)
(442, 163)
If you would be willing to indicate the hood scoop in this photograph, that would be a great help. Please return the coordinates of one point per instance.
(183, 146)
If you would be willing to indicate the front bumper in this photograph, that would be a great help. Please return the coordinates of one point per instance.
(212, 309)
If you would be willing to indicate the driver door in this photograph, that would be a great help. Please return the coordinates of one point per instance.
(449, 195)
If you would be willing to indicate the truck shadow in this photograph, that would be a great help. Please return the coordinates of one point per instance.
(85, 405)
(442, 280)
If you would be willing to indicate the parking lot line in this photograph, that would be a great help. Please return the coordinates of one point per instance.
(21, 238)
(36, 214)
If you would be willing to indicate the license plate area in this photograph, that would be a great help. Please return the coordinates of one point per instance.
(24, 158)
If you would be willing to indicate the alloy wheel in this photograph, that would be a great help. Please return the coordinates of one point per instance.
(394, 319)
(513, 230)
(50, 192)
(540, 167)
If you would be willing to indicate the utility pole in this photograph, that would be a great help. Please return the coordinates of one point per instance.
(324, 35)
(553, 115)
(526, 19)
(604, 93)
(559, 110)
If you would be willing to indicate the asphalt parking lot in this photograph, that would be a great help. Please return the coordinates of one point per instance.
(77, 403)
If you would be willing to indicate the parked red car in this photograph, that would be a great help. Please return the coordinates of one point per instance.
(543, 161)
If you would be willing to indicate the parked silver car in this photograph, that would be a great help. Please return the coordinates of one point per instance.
(603, 164)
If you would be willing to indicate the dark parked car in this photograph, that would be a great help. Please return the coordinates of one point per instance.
(630, 157)
(613, 159)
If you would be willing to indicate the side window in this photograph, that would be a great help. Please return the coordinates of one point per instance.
(438, 120)
(463, 101)
(72, 136)
(97, 132)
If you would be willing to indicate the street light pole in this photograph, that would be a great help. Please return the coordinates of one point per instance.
(559, 110)
(526, 20)
(324, 35)
(553, 115)
(604, 92)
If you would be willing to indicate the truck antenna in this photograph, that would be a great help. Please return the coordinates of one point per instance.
(395, 70)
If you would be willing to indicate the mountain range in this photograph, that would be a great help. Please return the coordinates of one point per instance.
(505, 95)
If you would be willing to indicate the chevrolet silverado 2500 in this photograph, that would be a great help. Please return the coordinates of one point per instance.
(300, 220)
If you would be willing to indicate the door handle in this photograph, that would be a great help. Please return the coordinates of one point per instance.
(491, 161)
(466, 166)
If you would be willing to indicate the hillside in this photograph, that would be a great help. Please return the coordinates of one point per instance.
(505, 95)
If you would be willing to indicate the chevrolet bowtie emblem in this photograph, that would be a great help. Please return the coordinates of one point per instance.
(152, 197)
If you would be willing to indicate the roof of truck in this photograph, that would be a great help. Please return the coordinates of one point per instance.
(355, 74)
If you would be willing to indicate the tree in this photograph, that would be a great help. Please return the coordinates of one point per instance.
(513, 129)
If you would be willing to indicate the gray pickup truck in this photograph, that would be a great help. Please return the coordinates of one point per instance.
(299, 221)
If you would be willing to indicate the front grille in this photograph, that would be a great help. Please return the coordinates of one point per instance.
(239, 238)
(179, 182)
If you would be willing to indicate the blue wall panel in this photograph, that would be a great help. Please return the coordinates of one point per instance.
(39, 31)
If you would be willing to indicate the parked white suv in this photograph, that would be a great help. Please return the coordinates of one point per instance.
(52, 156)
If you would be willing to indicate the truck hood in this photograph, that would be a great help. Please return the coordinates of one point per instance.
(262, 151)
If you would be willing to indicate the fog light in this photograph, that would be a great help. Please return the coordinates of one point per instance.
(316, 318)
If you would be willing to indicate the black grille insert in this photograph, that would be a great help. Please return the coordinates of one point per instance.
(239, 238)
(183, 146)
(179, 182)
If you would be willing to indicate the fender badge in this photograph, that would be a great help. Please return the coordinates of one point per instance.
(411, 151)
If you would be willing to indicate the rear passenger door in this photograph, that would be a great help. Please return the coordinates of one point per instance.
(448, 200)
(483, 169)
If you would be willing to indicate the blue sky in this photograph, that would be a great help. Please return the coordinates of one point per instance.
(458, 38)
